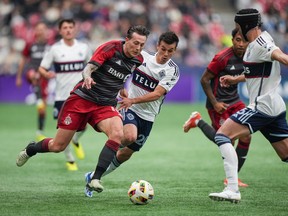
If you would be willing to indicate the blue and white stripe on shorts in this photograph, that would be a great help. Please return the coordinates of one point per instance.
(274, 128)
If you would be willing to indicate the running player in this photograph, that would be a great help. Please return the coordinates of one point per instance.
(266, 111)
(94, 100)
(68, 58)
(223, 101)
(32, 55)
(150, 83)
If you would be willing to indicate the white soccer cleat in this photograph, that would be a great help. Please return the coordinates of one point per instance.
(22, 158)
(226, 195)
(95, 185)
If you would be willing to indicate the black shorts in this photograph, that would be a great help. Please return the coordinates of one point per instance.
(143, 128)
(274, 128)
(57, 107)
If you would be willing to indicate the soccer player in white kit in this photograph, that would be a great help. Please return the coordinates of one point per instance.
(68, 58)
(266, 111)
(150, 83)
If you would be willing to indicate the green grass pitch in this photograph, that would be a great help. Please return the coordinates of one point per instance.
(183, 169)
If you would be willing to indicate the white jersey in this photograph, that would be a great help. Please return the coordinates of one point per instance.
(146, 78)
(68, 62)
(263, 76)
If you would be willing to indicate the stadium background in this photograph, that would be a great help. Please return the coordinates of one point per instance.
(203, 26)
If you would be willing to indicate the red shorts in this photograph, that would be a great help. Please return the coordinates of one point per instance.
(218, 119)
(76, 112)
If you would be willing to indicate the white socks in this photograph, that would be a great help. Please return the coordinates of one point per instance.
(230, 165)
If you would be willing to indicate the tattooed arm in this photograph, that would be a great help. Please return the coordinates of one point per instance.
(86, 74)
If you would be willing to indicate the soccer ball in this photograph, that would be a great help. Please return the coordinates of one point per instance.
(140, 192)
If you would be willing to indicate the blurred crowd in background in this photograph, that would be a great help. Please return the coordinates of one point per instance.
(200, 28)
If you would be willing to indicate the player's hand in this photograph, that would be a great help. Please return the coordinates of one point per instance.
(124, 103)
(221, 107)
(88, 82)
(227, 80)
(51, 75)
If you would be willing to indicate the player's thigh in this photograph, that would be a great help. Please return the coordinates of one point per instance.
(281, 148)
(62, 139)
(112, 127)
(233, 130)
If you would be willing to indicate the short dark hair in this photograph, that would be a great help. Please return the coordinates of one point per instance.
(169, 37)
(65, 20)
(139, 29)
(234, 32)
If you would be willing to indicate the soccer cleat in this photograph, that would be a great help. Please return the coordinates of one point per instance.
(78, 150)
(192, 121)
(71, 166)
(88, 191)
(240, 183)
(226, 195)
(95, 185)
(92, 185)
(23, 157)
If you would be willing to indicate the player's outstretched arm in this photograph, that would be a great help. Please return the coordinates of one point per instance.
(227, 80)
(278, 55)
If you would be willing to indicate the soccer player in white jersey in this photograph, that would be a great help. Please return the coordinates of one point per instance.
(68, 57)
(150, 83)
(266, 111)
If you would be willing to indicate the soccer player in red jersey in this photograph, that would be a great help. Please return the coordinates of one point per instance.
(94, 100)
(32, 55)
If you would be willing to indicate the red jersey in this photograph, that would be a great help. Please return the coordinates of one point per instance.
(225, 63)
(114, 68)
(35, 52)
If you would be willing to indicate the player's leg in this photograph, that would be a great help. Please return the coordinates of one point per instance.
(113, 128)
(77, 145)
(70, 160)
(41, 106)
(229, 131)
(136, 132)
(277, 134)
(123, 154)
(242, 149)
(57, 144)
(34, 79)
(195, 120)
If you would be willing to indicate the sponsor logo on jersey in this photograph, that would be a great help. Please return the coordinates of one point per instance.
(69, 66)
(144, 81)
(118, 74)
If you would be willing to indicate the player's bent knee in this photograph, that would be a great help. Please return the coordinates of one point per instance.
(129, 139)
(221, 139)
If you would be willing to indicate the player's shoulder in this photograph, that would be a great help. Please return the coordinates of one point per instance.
(263, 39)
(224, 54)
(111, 45)
(56, 45)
